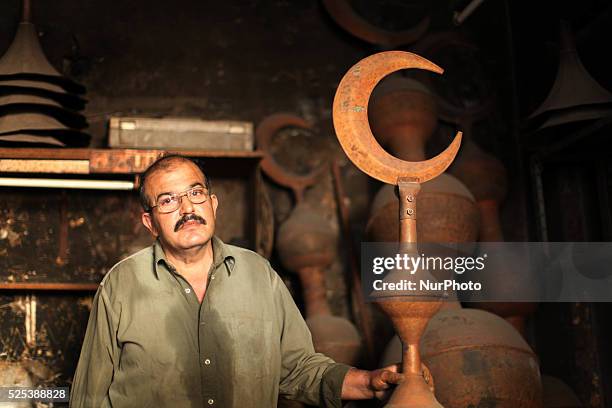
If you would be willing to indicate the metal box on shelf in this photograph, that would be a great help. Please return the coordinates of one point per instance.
(180, 133)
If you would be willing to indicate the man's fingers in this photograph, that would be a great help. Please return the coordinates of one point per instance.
(393, 378)
(385, 377)
(382, 395)
(396, 368)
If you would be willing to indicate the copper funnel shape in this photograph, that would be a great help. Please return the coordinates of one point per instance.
(50, 96)
(16, 99)
(56, 137)
(33, 140)
(575, 95)
(25, 56)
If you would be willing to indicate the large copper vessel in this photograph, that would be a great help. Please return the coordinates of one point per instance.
(558, 394)
(478, 359)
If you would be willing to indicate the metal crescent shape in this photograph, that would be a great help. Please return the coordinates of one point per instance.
(350, 115)
(346, 17)
(266, 129)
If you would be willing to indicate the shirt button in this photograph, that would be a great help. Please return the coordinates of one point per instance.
(212, 277)
(207, 362)
(187, 290)
(211, 401)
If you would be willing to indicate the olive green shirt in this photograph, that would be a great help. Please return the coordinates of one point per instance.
(151, 343)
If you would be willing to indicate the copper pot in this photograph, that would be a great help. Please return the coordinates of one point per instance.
(478, 359)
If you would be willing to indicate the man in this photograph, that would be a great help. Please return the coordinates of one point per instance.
(194, 322)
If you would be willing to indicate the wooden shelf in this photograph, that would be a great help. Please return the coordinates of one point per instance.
(49, 286)
(99, 161)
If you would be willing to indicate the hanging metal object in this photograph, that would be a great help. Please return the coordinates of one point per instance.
(466, 91)
(575, 95)
(306, 244)
(264, 133)
(25, 60)
(38, 106)
(343, 13)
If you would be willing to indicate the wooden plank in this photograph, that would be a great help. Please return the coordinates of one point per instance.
(48, 286)
(230, 154)
(44, 153)
(44, 166)
(122, 161)
(108, 161)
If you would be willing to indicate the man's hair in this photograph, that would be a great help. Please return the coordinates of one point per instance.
(165, 163)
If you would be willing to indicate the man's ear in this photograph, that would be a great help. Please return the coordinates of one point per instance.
(147, 220)
(215, 202)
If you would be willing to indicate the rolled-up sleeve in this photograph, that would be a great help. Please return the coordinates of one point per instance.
(306, 376)
(331, 385)
(99, 356)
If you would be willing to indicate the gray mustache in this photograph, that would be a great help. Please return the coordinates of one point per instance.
(189, 217)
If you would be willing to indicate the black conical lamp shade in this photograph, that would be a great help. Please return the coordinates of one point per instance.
(575, 95)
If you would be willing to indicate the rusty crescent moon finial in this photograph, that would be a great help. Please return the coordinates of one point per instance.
(350, 115)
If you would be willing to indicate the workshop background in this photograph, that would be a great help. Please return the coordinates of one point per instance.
(274, 67)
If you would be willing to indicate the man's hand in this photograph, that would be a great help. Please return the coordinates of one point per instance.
(361, 384)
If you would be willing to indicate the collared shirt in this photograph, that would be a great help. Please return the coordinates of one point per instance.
(151, 343)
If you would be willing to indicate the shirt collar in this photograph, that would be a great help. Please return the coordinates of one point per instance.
(221, 254)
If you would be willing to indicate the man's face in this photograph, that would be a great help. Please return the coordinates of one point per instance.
(191, 225)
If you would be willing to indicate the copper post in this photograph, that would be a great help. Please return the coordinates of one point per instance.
(408, 191)
(26, 16)
(410, 317)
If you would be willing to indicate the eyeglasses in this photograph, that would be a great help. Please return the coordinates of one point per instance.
(168, 203)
